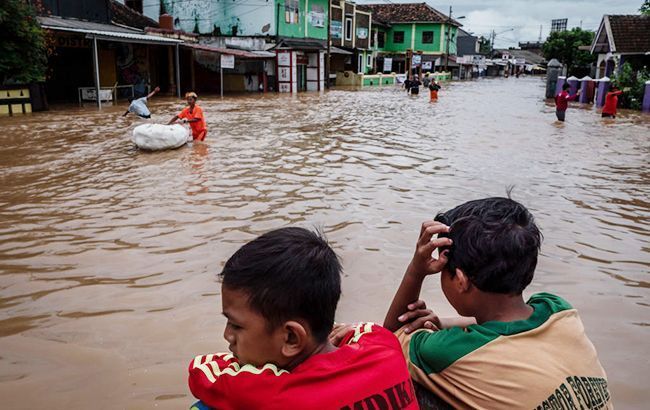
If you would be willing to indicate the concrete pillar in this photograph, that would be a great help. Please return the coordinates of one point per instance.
(609, 68)
(573, 83)
(584, 90)
(560, 83)
(646, 98)
(552, 79)
(601, 91)
(96, 72)
(170, 68)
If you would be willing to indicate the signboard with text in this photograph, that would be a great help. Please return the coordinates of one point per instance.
(336, 29)
(227, 61)
(388, 64)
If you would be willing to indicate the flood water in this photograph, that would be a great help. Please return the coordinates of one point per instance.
(109, 256)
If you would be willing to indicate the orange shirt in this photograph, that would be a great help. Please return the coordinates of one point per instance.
(197, 113)
(611, 101)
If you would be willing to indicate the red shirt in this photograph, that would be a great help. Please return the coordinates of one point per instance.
(197, 112)
(562, 100)
(611, 101)
(368, 370)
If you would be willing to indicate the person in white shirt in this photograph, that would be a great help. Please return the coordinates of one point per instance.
(139, 106)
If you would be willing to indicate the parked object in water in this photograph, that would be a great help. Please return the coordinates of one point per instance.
(156, 137)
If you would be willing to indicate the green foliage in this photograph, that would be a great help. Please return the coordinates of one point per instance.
(563, 45)
(484, 46)
(23, 49)
(645, 8)
(632, 84)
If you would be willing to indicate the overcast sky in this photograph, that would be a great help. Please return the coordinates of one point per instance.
(523, 17)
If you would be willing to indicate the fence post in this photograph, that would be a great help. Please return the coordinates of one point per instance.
(646, 98)
(603, 87)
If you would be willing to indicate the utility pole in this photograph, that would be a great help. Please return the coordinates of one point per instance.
(540, 34)
(448, 32)
(492, 43)
(329, 44)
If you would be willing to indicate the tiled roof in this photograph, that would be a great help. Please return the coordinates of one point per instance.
(407, 13)
(631, 33)
(122, 14)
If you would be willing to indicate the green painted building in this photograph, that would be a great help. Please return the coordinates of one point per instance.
(405, 29)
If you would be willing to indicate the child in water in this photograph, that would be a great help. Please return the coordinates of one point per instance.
(611, 102)
(139, 106)
(193, 114)
(434, 87)
(562, 101)
(279, 294)
(503, 352)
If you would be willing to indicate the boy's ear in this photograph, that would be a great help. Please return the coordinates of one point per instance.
(462, 281)
(295, 339)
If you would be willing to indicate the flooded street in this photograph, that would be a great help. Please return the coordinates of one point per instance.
(109, 255)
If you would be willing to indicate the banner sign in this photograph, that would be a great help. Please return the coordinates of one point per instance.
(227, 61)
(336, 29)
(388, 64)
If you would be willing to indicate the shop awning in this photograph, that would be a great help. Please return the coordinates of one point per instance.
(299, 44)
(246, 54)
(109, 32)
(336, 50)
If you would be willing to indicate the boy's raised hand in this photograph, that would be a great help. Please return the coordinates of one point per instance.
(418, 316)
(423, 262)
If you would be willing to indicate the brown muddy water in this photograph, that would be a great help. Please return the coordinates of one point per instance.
(109, 256)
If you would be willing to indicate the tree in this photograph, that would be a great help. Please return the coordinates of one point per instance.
(645, 8)
(23, 49)
(484, 46)
(632, 83)
(563, 45)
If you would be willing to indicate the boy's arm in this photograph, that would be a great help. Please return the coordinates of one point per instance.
(421, 265)
(151, 94)
(419, 317)
(126, 113)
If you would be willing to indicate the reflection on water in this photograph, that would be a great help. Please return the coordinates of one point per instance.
(108, 255)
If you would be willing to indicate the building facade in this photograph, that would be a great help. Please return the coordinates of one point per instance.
(350, 31)
(295, 30)
(413, 36)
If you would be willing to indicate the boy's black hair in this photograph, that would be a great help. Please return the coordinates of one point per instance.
(495, 243)
(566, 86)
(288, 274)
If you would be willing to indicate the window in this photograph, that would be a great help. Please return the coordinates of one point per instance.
(398, 37)
(427, 37)
(348, 29)
(369, 61)
(291, 12)
(360, 64)
(381, 38)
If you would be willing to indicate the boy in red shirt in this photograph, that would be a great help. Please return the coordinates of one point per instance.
(611, 101)
(279, 294)
(562, 101)
(193, 114)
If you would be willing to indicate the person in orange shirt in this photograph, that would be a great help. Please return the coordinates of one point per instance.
(193, 114)
(611, 101)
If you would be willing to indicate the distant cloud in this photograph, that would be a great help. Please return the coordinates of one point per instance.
(520, 20)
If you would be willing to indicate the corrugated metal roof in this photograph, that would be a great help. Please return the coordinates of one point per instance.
(103, 31)
(230, 51)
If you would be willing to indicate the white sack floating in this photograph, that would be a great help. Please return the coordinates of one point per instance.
(155, 137)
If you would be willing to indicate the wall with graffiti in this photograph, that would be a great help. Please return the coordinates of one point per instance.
(221, 17)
